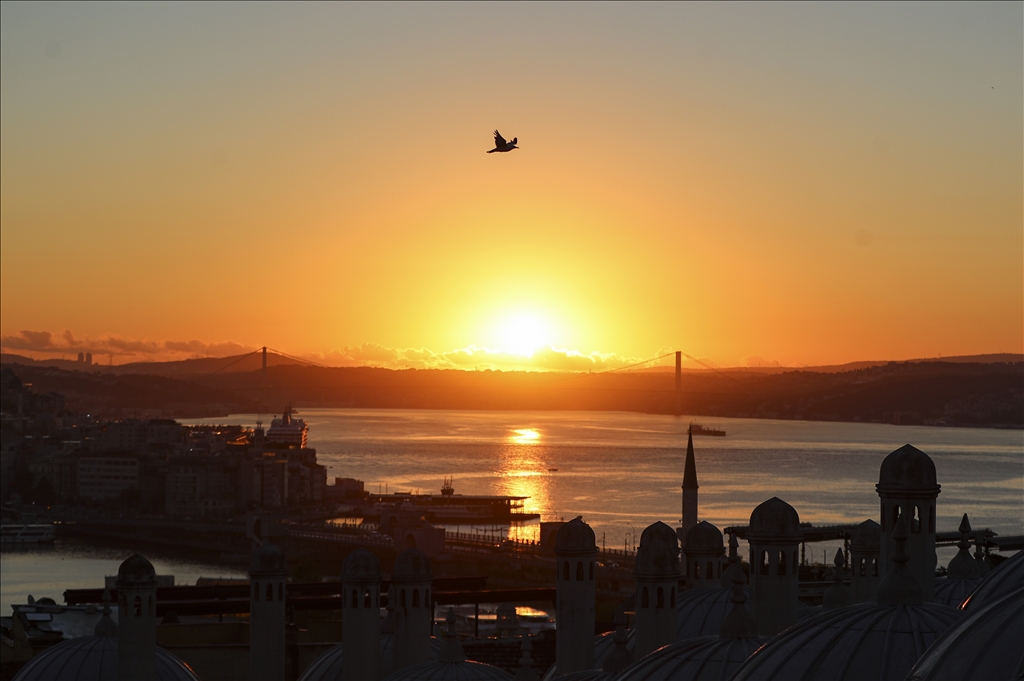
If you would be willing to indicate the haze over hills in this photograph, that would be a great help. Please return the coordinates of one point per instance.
(986, 391)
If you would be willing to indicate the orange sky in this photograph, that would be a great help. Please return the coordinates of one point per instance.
(804, 184)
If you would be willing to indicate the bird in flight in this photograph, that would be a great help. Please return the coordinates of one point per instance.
(501, 145)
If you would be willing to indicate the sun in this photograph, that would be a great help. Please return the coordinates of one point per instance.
(522, 334)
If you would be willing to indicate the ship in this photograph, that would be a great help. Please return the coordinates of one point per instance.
(27, 534)
(451, 508)
(698, 429)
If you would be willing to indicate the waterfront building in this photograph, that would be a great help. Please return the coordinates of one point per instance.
(102, 477)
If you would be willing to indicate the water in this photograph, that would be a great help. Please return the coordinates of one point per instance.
(623, 471)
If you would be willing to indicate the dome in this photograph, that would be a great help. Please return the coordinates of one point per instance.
(267, 560)
(774, 519)
(604, 646)
(952, 592)
(704, 538)
(866, 537)
(658, 555)
(659, 532)
(699, 612)
(1008, 575)
(589, 675)
(867, 641)
(328, 667)
(709, 657)
(94, 658)
(412, 566)
(908, 468)
(983, 645)
(575, 537)
(136, 570)
(361, 566)
(451, 671)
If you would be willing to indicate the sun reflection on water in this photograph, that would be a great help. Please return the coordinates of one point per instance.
(523, 473)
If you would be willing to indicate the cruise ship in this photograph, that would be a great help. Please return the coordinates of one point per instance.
(287, 431)
(27, 534)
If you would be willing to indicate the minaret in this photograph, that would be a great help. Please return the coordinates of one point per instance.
(136, 615)
(837, 595)
(774, 537)
(704, 552)
(360, 620)
(907, 486)
(689, 518)
(268, 575)
(575, 554)
(657, 578)
(411, 581)
(865, 569)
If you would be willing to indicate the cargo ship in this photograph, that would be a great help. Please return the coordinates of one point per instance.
(698, 429)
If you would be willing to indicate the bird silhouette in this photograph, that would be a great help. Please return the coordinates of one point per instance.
(501, 145)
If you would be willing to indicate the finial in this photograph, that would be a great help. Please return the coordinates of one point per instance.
(451, 650)
(734, 563)
(962, 566)
(837, 596)
(526, 671)
(620, 657)
(739, 623)
(106, 626)
(899, 587)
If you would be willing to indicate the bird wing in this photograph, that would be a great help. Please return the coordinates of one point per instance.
(499, 141)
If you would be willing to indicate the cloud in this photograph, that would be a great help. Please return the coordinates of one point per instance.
(125, 349)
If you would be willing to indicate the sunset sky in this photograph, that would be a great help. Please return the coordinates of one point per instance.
(803, 184)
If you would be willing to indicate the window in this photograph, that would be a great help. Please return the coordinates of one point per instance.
(764, 562)
(711, 571)
(415, 598)
(782, 563)
(138, 606)
(915, 522)
(579, 571)
(661, 597)
(565, 571)
(256, 591)
(270, 592)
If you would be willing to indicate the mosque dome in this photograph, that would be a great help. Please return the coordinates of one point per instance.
(136, 570)
(604, 646)
(467, 670)
(328, 667)
(361, 566)
(704, 538)
(699, 612)
(866, 537)
(575, 537)
(867, 641)
(658, 555)
(983, 645)
(1008, 575)
(412, 566)
(953, 592)
(908, 468)
(94, 658)
(774, 519)
(267, 560)
(706, 658)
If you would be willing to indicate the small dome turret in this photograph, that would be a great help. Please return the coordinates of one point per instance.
(774, 519)
(866, 537)
(575, 537)
(908, 468)
(361, 566)
(136, 571)
(658, 555)
(412, 565)
(704, 538)
(267, 560)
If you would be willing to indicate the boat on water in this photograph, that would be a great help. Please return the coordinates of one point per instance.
(27, 534)
(449, 507)
(698, 429)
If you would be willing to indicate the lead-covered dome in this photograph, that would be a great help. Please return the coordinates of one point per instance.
(575, 537)
(867, 641)
(136, 570)
(1007, 576)
(94, 658)
(658, 555)
(984, 645)
(328, 667)
(709, 658)
(774, 519)
(267, 560)
(412, 565)
(908, 468)
(704, 538)
(361, 566)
